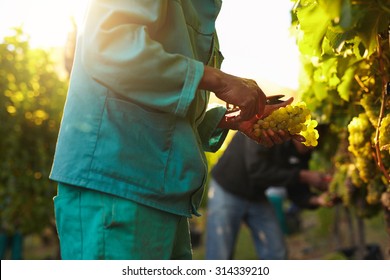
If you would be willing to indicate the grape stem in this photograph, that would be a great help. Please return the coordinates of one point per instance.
(383, 6)
(382, 110)
(361, 84)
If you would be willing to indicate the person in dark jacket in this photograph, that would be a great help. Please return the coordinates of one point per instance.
(237, 190)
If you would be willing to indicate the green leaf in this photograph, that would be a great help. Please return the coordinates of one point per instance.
(320, 90)
(367, 30)
(313, 22)
(333, 8)
(334, 81)
(359, 49)
(344, 88)
(336, 39)
(327, 48)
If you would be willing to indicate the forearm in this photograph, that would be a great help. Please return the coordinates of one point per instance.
(314, 178)
(212, 79)
(304, 176)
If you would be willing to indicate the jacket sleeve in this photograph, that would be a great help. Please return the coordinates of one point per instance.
(118, 51)
(265, 170)
(212, 137)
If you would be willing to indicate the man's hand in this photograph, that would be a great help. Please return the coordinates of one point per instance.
(241, 92)
(316, 179)
(324, 200)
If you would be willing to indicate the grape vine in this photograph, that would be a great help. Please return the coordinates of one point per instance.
(345, 53)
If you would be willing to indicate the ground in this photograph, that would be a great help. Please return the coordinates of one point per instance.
(319, 238)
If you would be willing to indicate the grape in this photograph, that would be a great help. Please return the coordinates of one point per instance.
(384, 133)
(360, 134)
(374, 192)
(371, 106)
(294, 118)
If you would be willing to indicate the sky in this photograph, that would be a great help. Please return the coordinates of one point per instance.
(46, 21)
(256, 43)
(254, 34)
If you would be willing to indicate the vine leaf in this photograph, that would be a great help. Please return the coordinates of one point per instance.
(368, 30)
(345, 85)
(314, 22)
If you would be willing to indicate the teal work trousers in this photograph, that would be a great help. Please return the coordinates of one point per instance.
(94, 225)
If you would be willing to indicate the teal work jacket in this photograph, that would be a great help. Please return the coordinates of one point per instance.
(134, 124)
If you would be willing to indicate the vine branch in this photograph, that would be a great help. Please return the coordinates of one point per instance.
(382, 110)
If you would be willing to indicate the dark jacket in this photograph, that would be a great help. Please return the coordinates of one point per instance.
(247, 169)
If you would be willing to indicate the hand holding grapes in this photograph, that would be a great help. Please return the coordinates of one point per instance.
(294, 118)
(324, 199)
(268, 137)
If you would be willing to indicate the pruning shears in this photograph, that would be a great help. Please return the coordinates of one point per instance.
(234, 111)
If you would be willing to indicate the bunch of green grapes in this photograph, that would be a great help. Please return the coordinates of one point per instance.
(355, 176)
(365, 162)
(374, 191)
(384, 133)
(294, 118)
(371, 106)
(360, 145)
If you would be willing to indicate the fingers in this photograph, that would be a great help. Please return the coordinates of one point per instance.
(277, 137)
(252, 109)
(236, 120)
(254, 101)
(270, 138)
(247, 112)
(240, 92)
(298, 138)
(261, 104)
(265, 140)
(284, 135)
(243, 116)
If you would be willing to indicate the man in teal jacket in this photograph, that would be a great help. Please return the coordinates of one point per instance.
(130, 161)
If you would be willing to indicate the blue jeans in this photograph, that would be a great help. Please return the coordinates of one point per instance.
(226, 211)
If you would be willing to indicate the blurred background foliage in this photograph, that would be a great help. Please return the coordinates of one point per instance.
(32, 96)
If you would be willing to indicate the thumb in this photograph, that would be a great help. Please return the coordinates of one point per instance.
(298, 137)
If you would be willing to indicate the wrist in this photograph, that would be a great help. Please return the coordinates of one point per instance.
(314, 201)
(228, 125)
(211, 79)
(303, 175)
